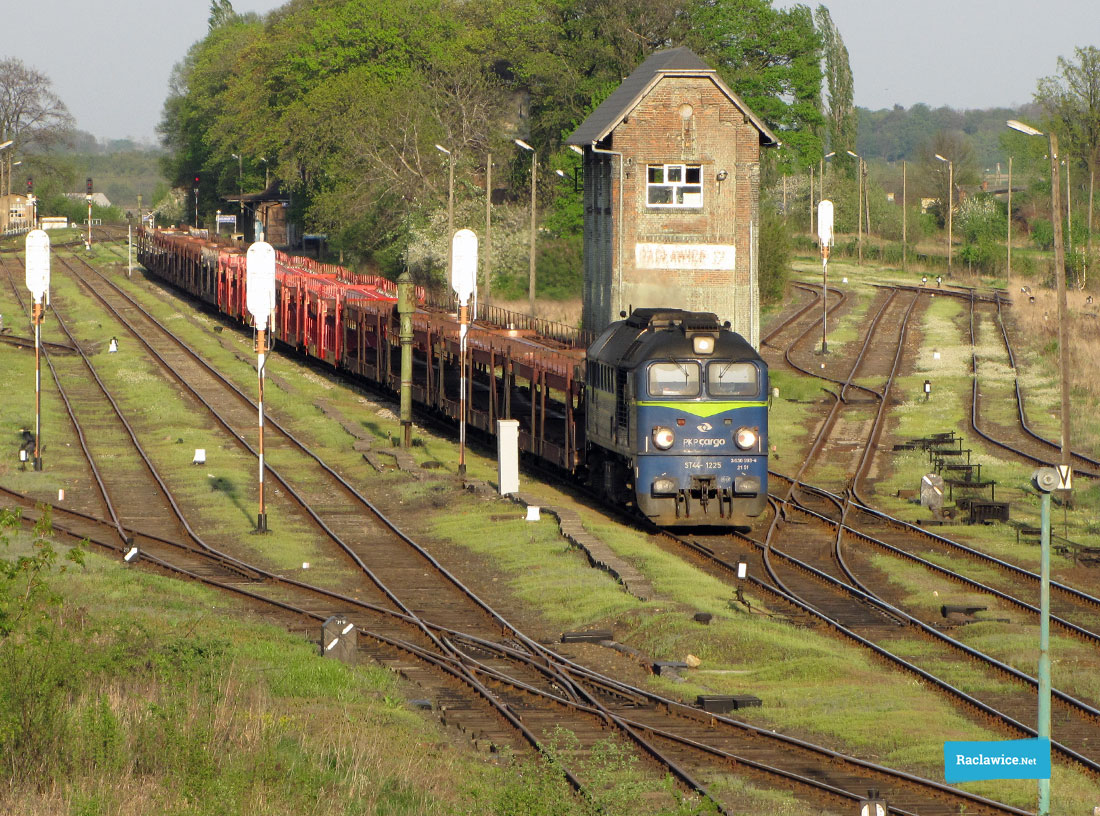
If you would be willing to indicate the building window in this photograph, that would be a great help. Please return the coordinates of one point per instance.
(674, 185)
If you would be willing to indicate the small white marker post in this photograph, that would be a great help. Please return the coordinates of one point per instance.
(464, 284)
(38, 282)
(825, 238)
(260, 299)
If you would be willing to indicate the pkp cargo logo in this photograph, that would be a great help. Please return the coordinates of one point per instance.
(706, 426)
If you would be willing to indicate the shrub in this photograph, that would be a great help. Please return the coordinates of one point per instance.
(775, 255)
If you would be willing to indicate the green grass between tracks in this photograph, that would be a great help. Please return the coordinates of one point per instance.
(810, 685)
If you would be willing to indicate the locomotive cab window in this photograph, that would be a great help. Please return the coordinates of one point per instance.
(674, 379)
(674, 185)
(729, 379)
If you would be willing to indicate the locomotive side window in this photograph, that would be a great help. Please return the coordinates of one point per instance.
(730, 379)
(674, 379)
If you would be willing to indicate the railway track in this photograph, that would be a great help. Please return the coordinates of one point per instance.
(1028, 444)
(677, 742)
(814, 577)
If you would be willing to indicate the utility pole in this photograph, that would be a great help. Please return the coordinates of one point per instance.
(488, 228)
(1008, 237)
(531, 270)
(904, 222)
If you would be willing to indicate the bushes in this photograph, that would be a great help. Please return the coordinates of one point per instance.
(775, 255)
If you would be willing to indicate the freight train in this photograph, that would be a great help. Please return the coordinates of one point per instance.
(665, 411)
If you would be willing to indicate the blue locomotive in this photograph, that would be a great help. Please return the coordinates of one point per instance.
(676, 419)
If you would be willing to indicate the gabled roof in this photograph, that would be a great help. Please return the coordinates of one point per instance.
(671, 62)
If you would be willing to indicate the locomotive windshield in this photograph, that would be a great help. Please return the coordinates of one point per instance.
(673, 379)
(729, 379)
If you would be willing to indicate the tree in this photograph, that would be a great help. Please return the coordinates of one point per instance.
(841, 120)
(31, 114)
(772, 59)
(1072, 102)
(935, 174)
(221, 12)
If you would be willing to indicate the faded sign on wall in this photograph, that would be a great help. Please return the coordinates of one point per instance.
(685, 256)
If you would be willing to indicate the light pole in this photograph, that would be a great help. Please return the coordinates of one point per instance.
(1059, 275)
(531, 271)
(1045, 479)
(859, 196)
(487, 264)
(950, 206)
(240, 186)
(904, 221)
(450, 207)
(4, 146)
(267, 173)
(1008, 236)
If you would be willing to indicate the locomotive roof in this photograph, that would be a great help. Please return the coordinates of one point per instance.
(662, 333)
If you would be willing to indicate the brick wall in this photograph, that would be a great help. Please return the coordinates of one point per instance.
(712, 133)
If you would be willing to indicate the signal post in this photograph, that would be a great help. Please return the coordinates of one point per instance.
(38, 282)
(260, 300)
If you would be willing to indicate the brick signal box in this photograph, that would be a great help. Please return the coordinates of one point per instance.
(672, 196)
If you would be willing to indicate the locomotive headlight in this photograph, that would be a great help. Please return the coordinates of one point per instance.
(745, 438)
(702, 344)
(663, 438)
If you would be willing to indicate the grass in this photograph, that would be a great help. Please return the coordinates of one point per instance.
(811, 685)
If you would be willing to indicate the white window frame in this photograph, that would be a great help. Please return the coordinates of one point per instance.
(679, 196)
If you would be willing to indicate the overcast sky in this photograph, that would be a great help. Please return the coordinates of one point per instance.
(110, 61)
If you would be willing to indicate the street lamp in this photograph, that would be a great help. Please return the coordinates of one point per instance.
(487, 260)
(267, 172)
(859, 196)
(450, 207)
(950, 205)
(531, 271)
(10, 172)
(6, 144)
(240, 185)
(1059, 275)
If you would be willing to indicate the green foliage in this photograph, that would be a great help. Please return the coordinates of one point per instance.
(1071, 100)
(898, 133)
(614, 783)
(1042, 233)
(772, 60)
(841, 121)
(980, 221)
(345, 101)
(775, 255)
(25, 593)
(76, 210)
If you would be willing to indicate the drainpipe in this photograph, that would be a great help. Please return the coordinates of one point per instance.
(619, 226)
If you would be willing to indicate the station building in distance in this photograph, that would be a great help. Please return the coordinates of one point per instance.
(672, 196)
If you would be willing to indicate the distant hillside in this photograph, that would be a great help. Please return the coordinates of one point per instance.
(896, 134)
(120, 169)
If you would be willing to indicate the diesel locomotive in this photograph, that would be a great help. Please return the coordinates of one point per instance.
(664, 412)
(676, 418)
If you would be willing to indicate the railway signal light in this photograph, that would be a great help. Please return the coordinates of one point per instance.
(88, 185)
(825, 238)
(30, 185)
